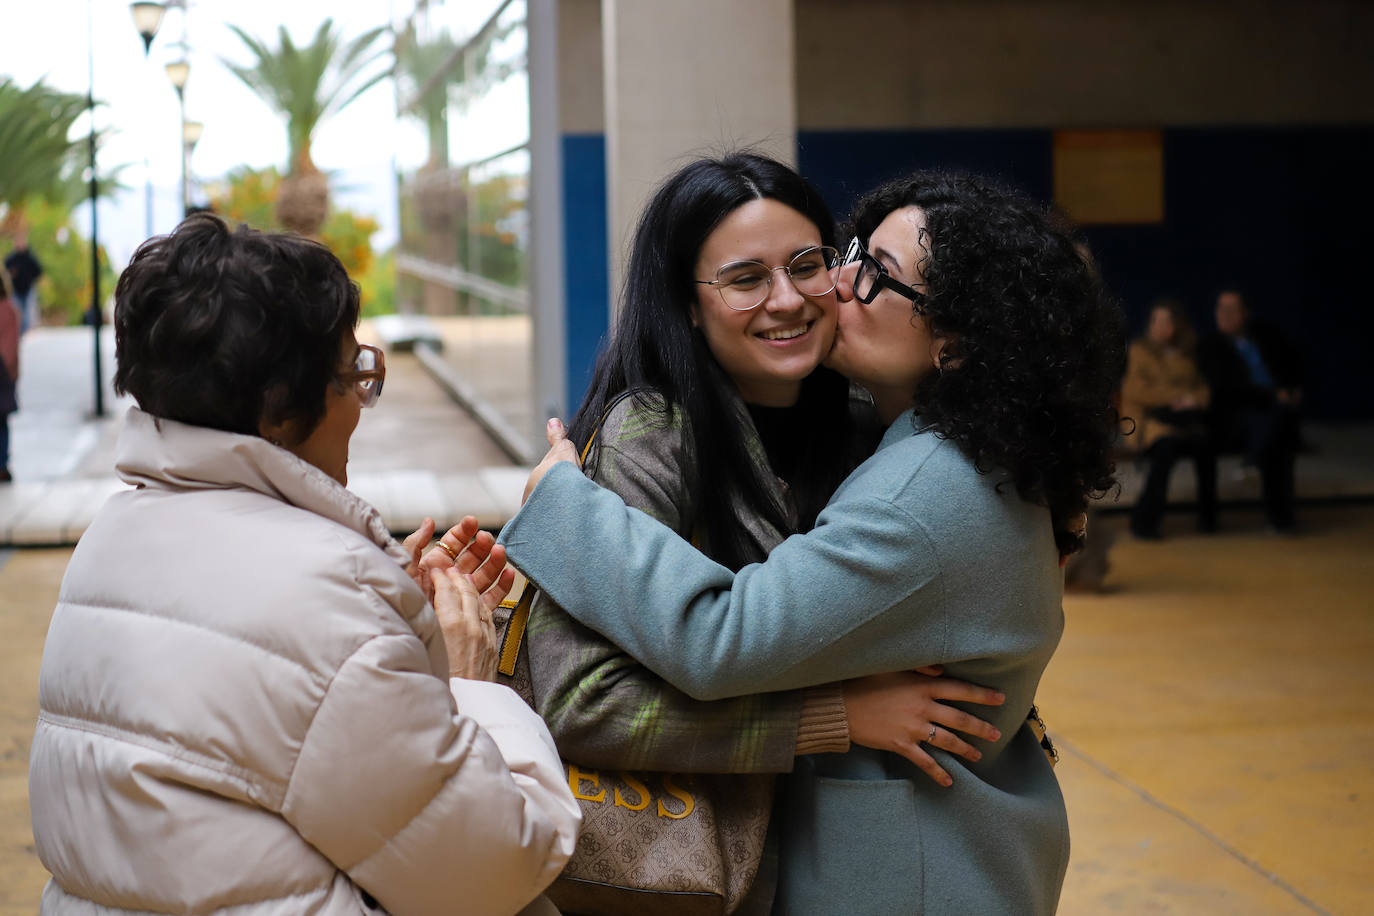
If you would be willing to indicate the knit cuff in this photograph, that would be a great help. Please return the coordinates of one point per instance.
(824, 725)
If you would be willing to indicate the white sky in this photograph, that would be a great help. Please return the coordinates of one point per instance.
(48, 39)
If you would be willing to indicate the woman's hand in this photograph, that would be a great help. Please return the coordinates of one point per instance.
(414, 545)
(463, 547)
(560, 449)
(465, 619)
(900, 711)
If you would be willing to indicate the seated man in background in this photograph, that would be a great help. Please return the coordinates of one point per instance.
(1256, 381)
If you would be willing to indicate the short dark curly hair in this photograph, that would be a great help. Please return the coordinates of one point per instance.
(1036, 348)
(232, 329)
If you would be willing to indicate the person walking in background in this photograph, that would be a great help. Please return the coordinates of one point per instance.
(9, 370)
(1165, 395)
(252, 698)
(1255, 375)
(25, 269)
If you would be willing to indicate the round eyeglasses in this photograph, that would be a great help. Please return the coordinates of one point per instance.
(367, 375)
(744, 285)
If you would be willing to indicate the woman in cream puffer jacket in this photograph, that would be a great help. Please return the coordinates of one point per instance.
(245, 698)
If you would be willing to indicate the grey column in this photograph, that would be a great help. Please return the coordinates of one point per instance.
(684, 79)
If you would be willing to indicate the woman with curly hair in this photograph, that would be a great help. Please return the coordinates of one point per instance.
(992, 354)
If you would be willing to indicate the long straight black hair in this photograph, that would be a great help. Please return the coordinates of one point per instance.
(654, 347)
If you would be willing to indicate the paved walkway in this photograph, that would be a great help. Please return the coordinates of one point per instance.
(415, 454)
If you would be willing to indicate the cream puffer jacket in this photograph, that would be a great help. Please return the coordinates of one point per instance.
(245, 707)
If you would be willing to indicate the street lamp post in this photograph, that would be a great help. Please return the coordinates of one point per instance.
(179, 71)
(97, 318)
(147, 19)
(190, 136)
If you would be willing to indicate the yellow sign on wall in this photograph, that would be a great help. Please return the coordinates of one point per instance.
(1109, 176)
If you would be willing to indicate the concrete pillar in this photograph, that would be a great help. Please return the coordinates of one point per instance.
(690, 79)
(547, 305)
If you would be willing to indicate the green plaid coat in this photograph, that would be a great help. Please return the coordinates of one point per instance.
(603, 707)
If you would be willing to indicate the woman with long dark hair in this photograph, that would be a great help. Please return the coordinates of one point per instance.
(667, 343)
(992, 355)
(710, 412)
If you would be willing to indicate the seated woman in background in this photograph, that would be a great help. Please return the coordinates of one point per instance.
(246, 700)
(709, 410)
(993, 356)
(1165, 395)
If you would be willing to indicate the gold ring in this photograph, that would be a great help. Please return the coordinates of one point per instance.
(452, 555)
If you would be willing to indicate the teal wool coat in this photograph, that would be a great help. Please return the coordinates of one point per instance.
(918, 560)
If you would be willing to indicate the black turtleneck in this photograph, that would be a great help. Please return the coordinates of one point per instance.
(781, 430)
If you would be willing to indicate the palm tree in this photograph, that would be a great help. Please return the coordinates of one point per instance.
(425, 82)
(309, 85)
(40, 161)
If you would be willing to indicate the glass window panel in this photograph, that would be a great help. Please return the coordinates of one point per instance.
(464, 172)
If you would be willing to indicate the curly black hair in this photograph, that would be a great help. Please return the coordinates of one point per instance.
(232, 329)
(1036, 347)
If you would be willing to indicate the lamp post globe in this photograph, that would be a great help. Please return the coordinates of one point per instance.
(179, 71)
(147, 19)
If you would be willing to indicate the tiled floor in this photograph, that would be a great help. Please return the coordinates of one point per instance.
(1217, 711)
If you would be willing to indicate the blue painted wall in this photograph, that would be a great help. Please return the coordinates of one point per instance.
(586, 282)
(1281, 213)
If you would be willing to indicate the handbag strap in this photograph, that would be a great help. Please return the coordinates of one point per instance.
(515, 629)
(520, 607)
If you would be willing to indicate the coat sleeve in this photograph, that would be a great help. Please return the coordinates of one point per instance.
(849, 598)
(9, 337)
(606, 709)
(432, 801)
(1144, 384)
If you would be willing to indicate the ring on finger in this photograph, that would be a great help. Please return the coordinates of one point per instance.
(931, 736)
(452, 554)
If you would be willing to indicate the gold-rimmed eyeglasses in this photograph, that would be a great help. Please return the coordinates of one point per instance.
(744, 285)
(367, 375)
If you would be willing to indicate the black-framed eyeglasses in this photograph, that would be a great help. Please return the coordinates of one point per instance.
(873, 277)
(744, 285)
(368, 374)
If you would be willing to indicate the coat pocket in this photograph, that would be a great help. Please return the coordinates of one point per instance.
(850, 846)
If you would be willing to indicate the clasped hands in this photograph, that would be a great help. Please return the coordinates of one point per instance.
(465, 576)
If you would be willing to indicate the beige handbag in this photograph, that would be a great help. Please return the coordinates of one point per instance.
(661, 843)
